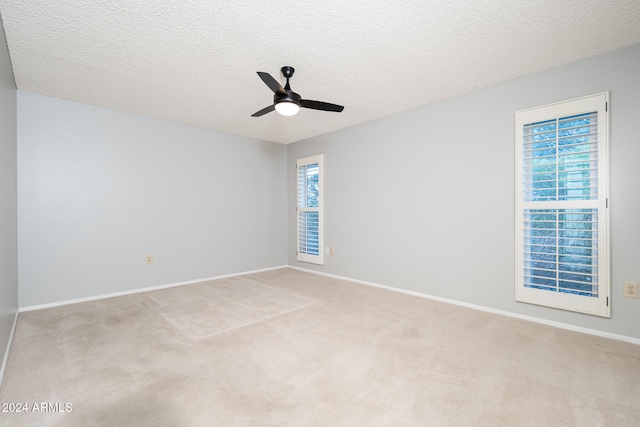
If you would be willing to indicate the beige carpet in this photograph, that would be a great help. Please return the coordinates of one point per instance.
(287, 348)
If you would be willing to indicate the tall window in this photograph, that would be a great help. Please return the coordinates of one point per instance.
(309, 209)
(562, 227)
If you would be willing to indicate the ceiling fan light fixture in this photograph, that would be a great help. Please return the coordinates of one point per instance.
(287, 107)
(285, 101)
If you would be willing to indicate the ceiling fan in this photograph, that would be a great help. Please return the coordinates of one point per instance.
(286, 101)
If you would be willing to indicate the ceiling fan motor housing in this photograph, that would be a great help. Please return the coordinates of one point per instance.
(289, 97)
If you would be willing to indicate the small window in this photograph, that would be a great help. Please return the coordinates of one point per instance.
(309, 205)
(562, 227)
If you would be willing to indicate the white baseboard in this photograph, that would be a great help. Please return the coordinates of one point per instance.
(140, 290)
(482, 308)
(6, 353)
(362, 282)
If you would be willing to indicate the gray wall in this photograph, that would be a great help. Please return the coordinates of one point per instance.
(8, 198)
(424, 200)
(99, 189)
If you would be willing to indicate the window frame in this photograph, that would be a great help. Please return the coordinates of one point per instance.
(600, 305)
(307, 257)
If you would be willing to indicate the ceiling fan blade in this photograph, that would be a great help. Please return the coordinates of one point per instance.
(318, 105)
(264, 111)
(272, 83)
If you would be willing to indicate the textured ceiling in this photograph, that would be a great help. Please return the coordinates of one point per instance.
(195, 62)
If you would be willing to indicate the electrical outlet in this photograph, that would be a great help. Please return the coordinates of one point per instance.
(148, 259)
(631, 289)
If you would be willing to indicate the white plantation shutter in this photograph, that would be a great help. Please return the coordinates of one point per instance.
(561, 205)
(560, 159)
(309, 189)
(561, 250)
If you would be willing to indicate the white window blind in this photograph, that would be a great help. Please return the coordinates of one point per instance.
(309, 209)
(561, 212)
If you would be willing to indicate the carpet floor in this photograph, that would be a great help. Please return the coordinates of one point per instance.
(288, 348)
